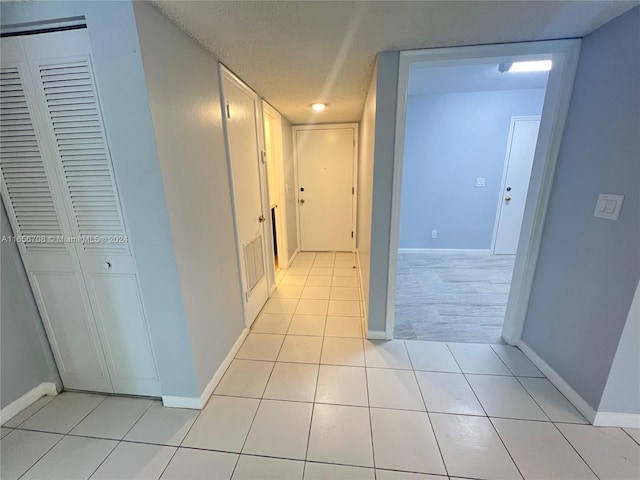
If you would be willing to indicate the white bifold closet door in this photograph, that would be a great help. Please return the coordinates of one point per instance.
(60, 192)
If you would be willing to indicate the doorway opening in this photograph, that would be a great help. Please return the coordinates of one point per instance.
(470, 139)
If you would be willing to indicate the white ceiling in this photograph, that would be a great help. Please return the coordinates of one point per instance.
(297, 53)
(471, 78)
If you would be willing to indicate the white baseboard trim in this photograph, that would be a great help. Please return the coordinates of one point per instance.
(567, 390)
(376, 335)
(444, 250)
(293, 257)
(361, 286)
(198, 403)
(613, 419)
(26, 400)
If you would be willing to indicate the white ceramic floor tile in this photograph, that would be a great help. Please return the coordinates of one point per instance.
(280, 305)
(505, 397)
(634, 433)
(608, 451)
(261, 468)
(344, 308)
(307, 325)
(386, 354)
(318, 280)
(223, 424)
(351, 263)
(280, 429)
(288, 291)
(292, 381)
(448, 393)
(323, 263)
(295, 280)
(299, 270)
(342, 385)
(404, 440)
(344, 327)
(476, 358)
(28, 412)
(393, 389)
(344, 272)
(113, 418)
(321, 271)
(302, 262)
(471, 448)
(343, 351)
(162, 425)
(345, 293)
(345, 282)
(516, 361)
(137, 461)
(554, 404)
(327, 471)
(271, 323)
(394, 475)
(307, 255)
(316, 293)
(5, 431)
(63, 413)
(312, 307)
(245, 378)
(540, 451)
(72, 458)
(189, 464)
(21, 449)
(260, 346)
(431, 356)
(300, 349)
(340, 434)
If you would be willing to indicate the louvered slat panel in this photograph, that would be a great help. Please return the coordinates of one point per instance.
(71, 100)
(23, 173)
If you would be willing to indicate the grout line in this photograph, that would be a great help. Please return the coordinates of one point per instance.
(624, 429)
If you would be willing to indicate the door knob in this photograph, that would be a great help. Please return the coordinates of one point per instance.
(261, 218)
(507, 199)
(302, 200)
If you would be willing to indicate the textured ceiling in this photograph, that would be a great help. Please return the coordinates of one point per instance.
(297, 53)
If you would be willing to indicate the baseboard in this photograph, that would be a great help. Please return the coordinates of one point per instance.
(444, 250)
(26, 400)
(376, 335)
(567, 390)
(198, 403)
(613, 419)
(293, 257)
(365, 314)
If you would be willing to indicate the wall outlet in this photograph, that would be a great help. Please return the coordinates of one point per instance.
(480, 182)
(434, 233)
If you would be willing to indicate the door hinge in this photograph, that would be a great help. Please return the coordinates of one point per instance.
(228, 108)
(351, 234)
(246, 296)
(353, 190)
(263, 153)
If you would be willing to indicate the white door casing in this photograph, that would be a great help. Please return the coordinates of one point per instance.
(63, 98)
(326, 167)
(242, 122)
(521, 147)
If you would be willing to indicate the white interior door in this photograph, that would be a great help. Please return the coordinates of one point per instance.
(326, 187)
(521, 148)
(251, 216)
(62, 92)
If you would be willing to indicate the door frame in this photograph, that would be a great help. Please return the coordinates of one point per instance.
(224, 72)
(354, 197)
(505, 168)
(564, 54)
(277, 158)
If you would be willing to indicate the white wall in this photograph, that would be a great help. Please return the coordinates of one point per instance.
(182, 81)
(290, 183)
(365, 186)
(125, 105)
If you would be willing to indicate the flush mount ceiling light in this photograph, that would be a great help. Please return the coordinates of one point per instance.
(531, 66)
(318, 107)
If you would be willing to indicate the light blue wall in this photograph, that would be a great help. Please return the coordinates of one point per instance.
(588, 268)
(26, 360)
(452, 139)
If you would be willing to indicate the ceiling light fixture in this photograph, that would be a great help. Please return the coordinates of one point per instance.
(318, 107)
(530, 66)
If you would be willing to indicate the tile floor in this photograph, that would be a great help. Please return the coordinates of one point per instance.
(308, 398)
(453, 297)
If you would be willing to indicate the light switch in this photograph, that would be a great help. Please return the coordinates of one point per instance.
(608, 206)
(480, 182)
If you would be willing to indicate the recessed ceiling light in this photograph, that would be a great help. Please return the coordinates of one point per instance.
(318, 107)
(530, 66)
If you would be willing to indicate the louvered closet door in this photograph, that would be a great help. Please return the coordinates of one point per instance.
(62, 75)
(35, 214)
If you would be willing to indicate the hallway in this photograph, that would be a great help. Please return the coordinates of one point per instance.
(308, 397)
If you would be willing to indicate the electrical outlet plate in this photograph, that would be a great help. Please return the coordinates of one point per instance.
(608, 206)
